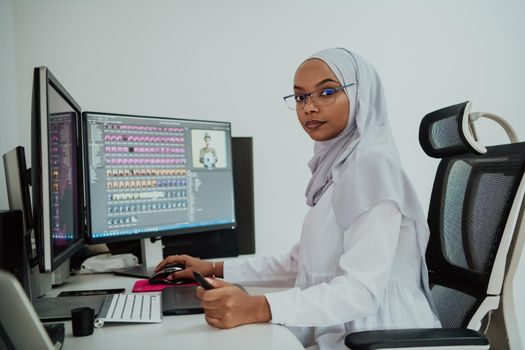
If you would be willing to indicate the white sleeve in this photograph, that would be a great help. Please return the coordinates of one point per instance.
(370, 244)
(279, 271)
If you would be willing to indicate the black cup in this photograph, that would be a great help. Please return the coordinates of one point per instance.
(83, 319)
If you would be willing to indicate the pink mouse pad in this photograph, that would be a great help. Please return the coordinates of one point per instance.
(142, 286)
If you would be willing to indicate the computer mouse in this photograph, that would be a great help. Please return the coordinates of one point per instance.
(160, 276)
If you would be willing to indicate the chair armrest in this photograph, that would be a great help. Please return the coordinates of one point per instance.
(418, 337)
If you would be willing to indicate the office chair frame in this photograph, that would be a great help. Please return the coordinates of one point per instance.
(504, 332)
(498, 296)
(497, 275)
(469, 132)
(499, 288)
(513, 335)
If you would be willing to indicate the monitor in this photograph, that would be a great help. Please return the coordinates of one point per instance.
(17, 181)
(56, 176)
(17, 178)
(153, 176)
(20, 247)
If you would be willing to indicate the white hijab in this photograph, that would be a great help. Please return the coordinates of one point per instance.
(362, 162)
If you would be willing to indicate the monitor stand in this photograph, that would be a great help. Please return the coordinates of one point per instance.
(60, 274)
(40, 283)
(151, 249)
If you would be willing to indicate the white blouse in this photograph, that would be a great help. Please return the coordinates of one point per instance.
(367, 277)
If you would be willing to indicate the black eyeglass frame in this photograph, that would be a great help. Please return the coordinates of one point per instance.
(306, 95)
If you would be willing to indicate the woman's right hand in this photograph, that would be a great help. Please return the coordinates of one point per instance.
(191, 264)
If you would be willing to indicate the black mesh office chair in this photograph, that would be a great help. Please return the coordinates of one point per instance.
(474, 214)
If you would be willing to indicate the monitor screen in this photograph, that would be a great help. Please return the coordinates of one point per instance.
(56, 174)
(151, 176)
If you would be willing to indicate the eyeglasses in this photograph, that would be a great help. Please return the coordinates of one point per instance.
(320, 97)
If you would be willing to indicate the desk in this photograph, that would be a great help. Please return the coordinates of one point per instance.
(189, 332)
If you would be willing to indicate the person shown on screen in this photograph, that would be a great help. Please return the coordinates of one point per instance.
(207, 155)
(360, 262)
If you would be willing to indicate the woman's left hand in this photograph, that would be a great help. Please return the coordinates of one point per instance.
(228, 306)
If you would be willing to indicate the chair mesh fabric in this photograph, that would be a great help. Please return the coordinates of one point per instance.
(470, 204)
(486, 219)
(441, 133)
(477, 193)
(444, 133)
(452, 215)
(454, 307)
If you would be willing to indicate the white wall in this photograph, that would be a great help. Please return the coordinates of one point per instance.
(8, 112)
(234, 60)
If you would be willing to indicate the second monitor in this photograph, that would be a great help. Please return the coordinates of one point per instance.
(152, 176)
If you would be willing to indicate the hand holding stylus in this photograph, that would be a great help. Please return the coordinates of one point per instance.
(227, 306)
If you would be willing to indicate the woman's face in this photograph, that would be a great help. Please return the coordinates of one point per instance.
(325, 122)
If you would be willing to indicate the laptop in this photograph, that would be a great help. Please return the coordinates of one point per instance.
(181, 300)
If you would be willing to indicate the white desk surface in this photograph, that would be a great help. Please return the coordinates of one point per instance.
(188, 332)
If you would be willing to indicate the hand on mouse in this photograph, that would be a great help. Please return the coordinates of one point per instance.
(227, 306)
(192, 264)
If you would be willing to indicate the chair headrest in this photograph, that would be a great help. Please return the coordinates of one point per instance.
(448, 132)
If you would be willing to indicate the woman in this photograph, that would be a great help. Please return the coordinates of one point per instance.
(359, 264)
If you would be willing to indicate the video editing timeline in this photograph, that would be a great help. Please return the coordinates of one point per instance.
(62, 171)
(142, 177)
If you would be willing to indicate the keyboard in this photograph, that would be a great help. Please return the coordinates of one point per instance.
(133, 308)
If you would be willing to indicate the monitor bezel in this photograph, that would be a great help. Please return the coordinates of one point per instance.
(43, 78)
(155, 234)
(17, 178)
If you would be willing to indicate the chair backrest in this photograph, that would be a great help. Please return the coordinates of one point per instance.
(472, 214)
